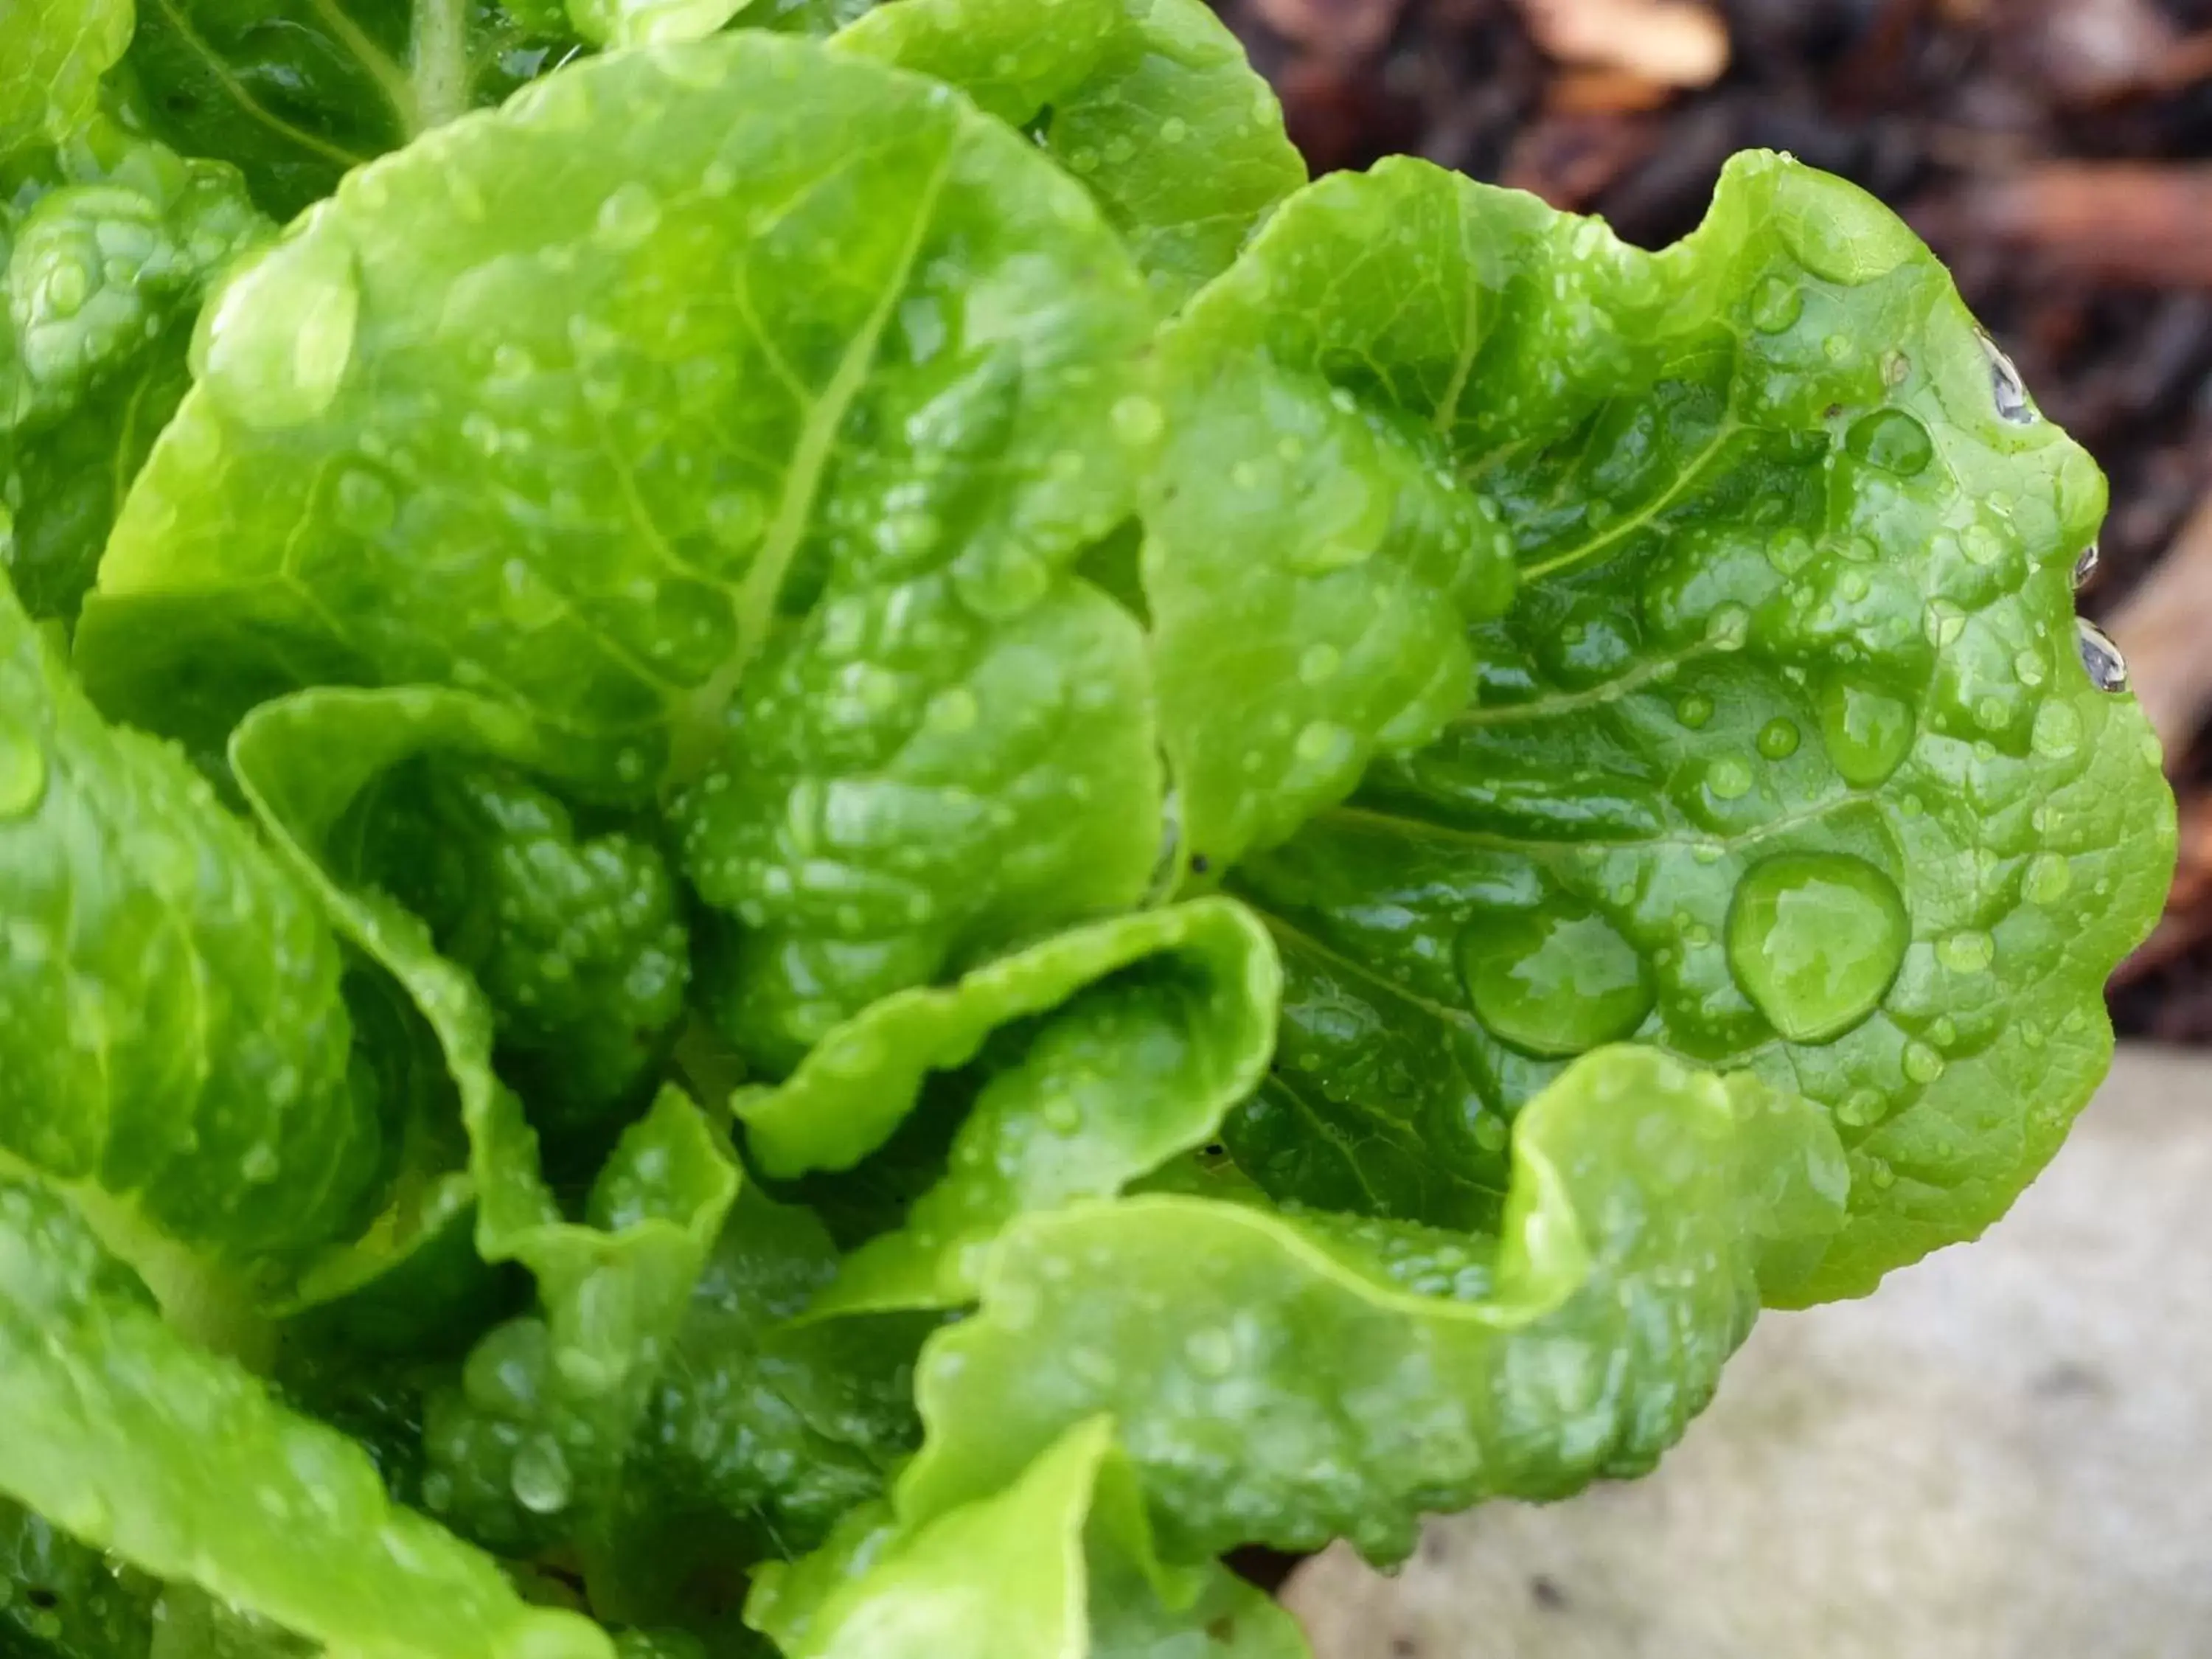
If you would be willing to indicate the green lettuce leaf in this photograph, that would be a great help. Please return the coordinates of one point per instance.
(1273, 1380)
(802, 552)
(576, 938)
(538, 1432)
(1150, 103)
(52, 54)
(177, 1048)
(1135, 1068)
(1783, 758)
(295, 93)
(107, 244)
(1060, 1561)
(761, 1432)
(856, 1086)
(136, 1443)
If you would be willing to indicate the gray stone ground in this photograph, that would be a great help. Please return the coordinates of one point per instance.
(2005, 1453)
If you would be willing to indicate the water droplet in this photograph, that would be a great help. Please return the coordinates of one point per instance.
(259, 1165)
(1777, 739)
(1775, 304)
(540, 1476)
(2058, 731)
(1694, 710)
(2048, 876)
(1982, 546)
(2107, 669)
(1815, 940)
(2006, 390)
(1922, 1063)
(1728, 628)
(1319, 665)
(1174, 129)
(2027, 666)
(22, 769)
(627, 217)
(1554, 982)
(2085, 567)
(1944, 623)
(1138, 421)
(1211, 1352)
(1969, 952)
(1892, 440)
(1860, 1108)
(1838, 231)
(1323, 743)
(1867, 732)
(1728, 778)
(274, 347)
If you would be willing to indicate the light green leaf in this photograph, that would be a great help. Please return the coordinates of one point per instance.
(1783, 759)
(176, 1047)
(296, 91)
(576, 938)
(1150, 103)
(762, 1433)
(612, 1288)
(1131, 1071)
(624, 499)
(852, 1090)
(908, 785)
(107, 244)
(1060, 1562)
(52, 53)
(136, 1443)
(1272, 1382)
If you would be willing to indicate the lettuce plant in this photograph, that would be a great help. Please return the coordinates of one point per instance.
(823, 837)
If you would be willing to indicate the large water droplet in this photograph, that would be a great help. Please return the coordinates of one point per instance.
(1555, 982)
(627, 217)
(1775, 304)
(2058, 730)
(1891, 439)
(1867, 731)
(2106, 667)
(1814, 939)
(540, 1477)
(1777, 739)
(2006, 390)
(22, 769)
(274, 348)
(2048, 876)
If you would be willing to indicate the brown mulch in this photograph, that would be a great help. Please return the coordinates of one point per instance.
(2057, 153)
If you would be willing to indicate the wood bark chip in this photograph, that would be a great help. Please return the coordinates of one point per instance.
(1668, 43)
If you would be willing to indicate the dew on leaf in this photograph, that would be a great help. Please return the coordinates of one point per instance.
(274, 346)
(1860, 1108)
(1211, 1352)
(1553, 982)
(1728, 778)
(540, 1477)
(2085, 567)
(1969, 952)
(363, 502)
(1892, 440)
(1319, 663)
(2058, 731)
(2006, 390)
(2049, 875)
(2106, 668)
(1814, 939)
(1922, 1063)
(1777, 739)
(1694, 710)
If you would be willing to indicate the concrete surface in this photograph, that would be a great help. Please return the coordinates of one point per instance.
(2005, 1453)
